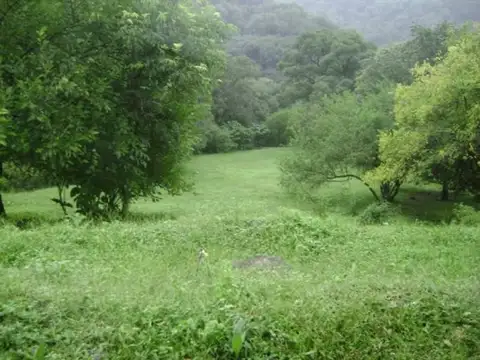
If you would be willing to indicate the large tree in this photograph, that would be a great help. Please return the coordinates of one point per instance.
(323, 62)
(438, 120)
(336, 139)
(104, 96)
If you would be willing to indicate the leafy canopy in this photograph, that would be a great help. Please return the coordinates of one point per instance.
(437, 116)
(334, 139)
(322, 63)
(104, 96)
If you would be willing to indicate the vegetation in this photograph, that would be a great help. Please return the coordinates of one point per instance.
(133, 290)
(387, 21)
(127, 133)
(437, 121)
(103, 104)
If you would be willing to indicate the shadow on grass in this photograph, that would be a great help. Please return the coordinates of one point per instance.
(425, 205)
(414, 203)
(142, 217)
(26, 220)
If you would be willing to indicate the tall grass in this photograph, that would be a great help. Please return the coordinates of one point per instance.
(135, 290)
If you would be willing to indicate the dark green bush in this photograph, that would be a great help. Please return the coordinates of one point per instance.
(214, 139)
(279, 132)
(378, 213)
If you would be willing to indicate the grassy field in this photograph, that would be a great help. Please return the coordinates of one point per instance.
(408, 289)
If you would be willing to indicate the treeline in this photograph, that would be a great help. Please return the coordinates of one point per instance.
(273, 65)
(109, 99)
(413, 116)
(387, 21)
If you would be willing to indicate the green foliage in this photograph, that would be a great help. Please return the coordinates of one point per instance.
(266, 29)
(437, 118)
(324, 62)
(214, 138)
(466, 215)
(393, 64)
(279, 127)
(3, 123)
(336, 139)
(378, 213)
(22, 178)
(108, 98)
(243, 96)
(266, 51)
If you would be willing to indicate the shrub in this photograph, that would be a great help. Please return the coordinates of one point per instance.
(278, 127)
(465, 215)
(214, 139)
(241, 135)
(378, 213)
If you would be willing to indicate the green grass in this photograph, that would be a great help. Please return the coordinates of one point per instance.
(134, 290)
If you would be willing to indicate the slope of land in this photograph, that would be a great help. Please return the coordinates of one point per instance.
(134, 290)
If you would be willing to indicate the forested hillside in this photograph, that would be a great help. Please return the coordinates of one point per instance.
(266, 28)
(386, 21)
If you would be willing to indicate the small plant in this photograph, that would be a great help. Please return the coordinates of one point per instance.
(465, 215)
(377, 213)
(238, 339)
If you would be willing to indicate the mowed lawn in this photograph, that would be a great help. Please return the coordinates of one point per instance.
(135, 290)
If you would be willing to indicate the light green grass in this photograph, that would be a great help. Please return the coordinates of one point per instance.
(134, 290)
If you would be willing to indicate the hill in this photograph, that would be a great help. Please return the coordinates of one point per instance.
(266, 28)
(386, 21)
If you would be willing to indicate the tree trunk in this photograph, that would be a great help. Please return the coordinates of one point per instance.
(3, 213)
(389, 190)
(126, 200)
(444, 196)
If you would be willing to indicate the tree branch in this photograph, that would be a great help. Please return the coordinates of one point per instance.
(353, 176)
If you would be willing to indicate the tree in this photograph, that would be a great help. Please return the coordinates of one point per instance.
(266, 28)
(324, 62)
(393, 64)
(106, 95)
(438, 120)
(335, 139)
(235, 99)
(387, 21)
(3, 123)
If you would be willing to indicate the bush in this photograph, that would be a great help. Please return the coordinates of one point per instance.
(241, 135)
(214, 139)
(465, 215)
(261, 135)
(378, 213)
(278, 125)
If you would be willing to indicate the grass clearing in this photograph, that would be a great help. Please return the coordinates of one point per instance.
(134, 290)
